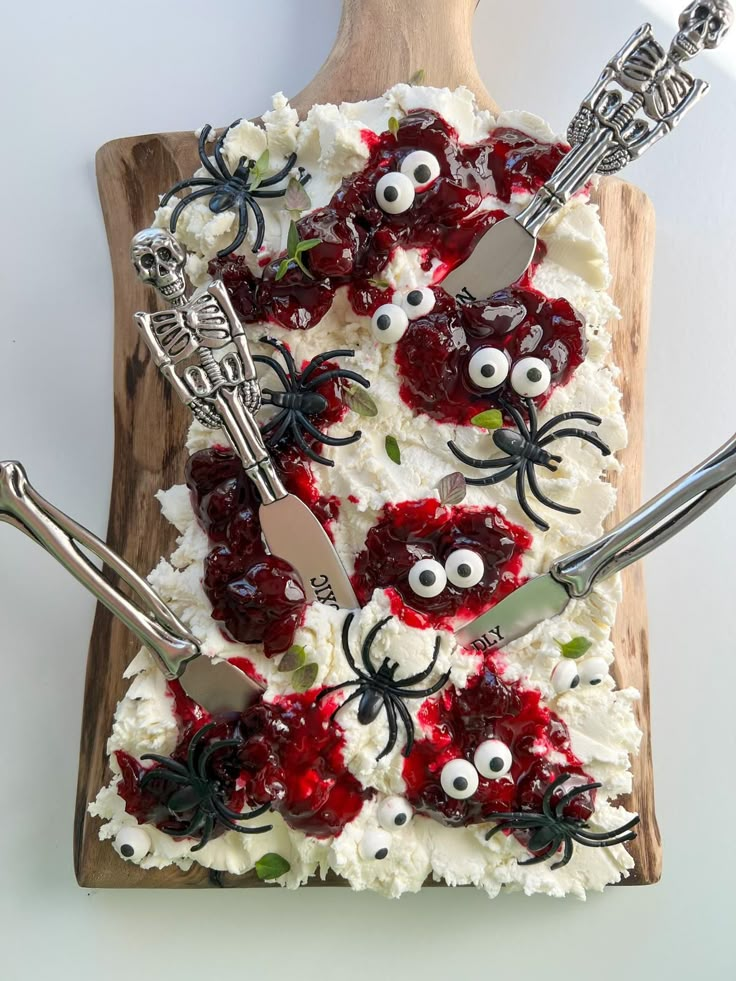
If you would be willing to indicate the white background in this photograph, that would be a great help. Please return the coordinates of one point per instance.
(75, 75)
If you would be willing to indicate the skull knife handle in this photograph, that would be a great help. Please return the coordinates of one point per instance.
(641, 96)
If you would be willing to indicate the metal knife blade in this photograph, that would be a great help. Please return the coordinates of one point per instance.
(221, 688)
(499, 259)
(294, 534)
(537, 600)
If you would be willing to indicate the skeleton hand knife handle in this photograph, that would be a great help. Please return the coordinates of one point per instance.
(641, 96)
(220, 393)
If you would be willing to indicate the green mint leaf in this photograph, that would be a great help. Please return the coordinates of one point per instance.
(294, 658)
(271, 866)
(392, 450)
(418, 77)
(452, 489)
(258, 170)
(357, 399)
(575, 648)
(283, 269)
(393, 126)
(292, 240)
(306, 244)
(490, 419)
(304, 677)
(380, 284)
(296, 198)
(298, 261)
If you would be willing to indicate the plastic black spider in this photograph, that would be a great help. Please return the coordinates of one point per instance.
(231, 190)
(525, 450)
(379, 688)
(551, 829)
(299, 399)
(199, 790)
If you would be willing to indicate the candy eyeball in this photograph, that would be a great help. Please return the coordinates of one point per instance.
(427, 578)
(530, 377)
(464, 568)
(393, 813)
(375, 845)
(394, 193)
(492, 759)
(422, 169)
(593, 671)
(132, 843)
(565, 676)
(418, 303)
(389, 323)
(488, 368)
(459, 779)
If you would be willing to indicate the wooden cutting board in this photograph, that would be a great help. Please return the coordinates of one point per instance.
(150, 426)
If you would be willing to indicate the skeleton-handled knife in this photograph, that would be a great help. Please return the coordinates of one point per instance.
(574, 576)
(224, 394)
(218, 688)
(641, 96)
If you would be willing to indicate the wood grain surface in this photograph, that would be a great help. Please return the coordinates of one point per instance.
(150, 427)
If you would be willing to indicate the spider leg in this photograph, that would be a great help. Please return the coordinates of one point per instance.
(426, 692)
(306, 448)
(566, 417)
(284, 352)
(204, 156)
(408, 725)
(242, 231)
(323, 437)
(533, 420)
(365, 650)
(159, 774)
(575, 792)
(231, 816)
(194, 745)
(260, 224)
(347, 623)
(569, 848)
(600, 835)
(192, 182)
(513, 826)
(403, 682)
(208, 826)
(518, 418)
(165, 762)
(275, 178)
(527, 471)
(549, 794)
(348, 700)
(210, 751)
(320, 360)
(333, 688)
(547, 852)
(595, 843)
(194, 825)
(340, 373)
(540, 496)
(284, 418)
(183, 203)
(583, 434)
(393, 728)
(472, 461)
(277, 369)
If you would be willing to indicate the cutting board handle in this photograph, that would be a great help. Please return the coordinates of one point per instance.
(382, 42)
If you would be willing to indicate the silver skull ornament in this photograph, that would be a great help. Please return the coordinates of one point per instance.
(703, 24)
(159, 261)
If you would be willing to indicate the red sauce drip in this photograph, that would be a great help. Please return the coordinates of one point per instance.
(434, 354)
(293, 757)
(358, 238)
(414, 530)
(457, 722)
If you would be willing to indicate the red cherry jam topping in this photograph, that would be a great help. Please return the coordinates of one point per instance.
(456, 723)
(434, 355)
(256, 596)
(292, 757)
(413, 531)
(358, 237)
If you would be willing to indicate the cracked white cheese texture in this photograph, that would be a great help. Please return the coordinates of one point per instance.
(601, 720)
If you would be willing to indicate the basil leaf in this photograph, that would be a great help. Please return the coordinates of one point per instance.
(292, 240)
(418, 77)
(393, 126)
(357, 399)
(452, 489)
(575, 648)
(490, 419)
(304, 677)
(271, 866)
(392, 450)
(296, 197)
(294, 658)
